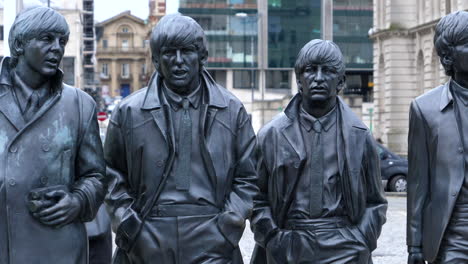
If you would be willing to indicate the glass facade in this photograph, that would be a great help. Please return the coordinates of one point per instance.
(231, 28)
(291, 24)
(352, 20)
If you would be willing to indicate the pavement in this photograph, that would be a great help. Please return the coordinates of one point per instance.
(391, 246)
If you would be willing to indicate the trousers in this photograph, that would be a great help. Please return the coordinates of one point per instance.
(454, 245)
(318, 241)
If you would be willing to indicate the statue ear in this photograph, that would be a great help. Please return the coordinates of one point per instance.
(341, 84)
(299, 85)
(155, 63)
(18, 47)
(447, 60)
(204, 58)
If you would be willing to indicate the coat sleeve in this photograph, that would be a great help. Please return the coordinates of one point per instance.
(125, 221)
(90, 183)
(262, 221)
(239, 201)
(418, 175)
(376, 204)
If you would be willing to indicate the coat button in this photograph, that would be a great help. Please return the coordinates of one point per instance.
(460, 150)
(454, 194)
(296, 164)
(45, 147)
(12, 182)
(44, 180)
(13, 149)
(160, 163)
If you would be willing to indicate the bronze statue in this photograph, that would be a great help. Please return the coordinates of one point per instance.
(321, 198)
(180, 153)
(52, 166)
(437, 226)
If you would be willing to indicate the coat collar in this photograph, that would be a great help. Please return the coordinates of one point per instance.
(445, 97)
(152, 98)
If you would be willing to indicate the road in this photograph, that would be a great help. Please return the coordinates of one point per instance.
(391, 248)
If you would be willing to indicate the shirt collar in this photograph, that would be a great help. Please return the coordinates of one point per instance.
(23, 91)
(175, 100)
(327, 121)
(460, 92)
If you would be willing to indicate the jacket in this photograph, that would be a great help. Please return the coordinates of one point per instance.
(59, 146)
(281, 158)
(436, 169)
(140, 150)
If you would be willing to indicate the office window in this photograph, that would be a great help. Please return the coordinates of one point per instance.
(1, 32)
(125, 70)
(68, 66)
(125, 44)
(245, 79)
(105, 69)
(104, 43)
(278, 80)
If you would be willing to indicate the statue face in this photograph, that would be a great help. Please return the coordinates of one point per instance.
(44, 53)
(180, 67)
(320, 83)
(460, 58)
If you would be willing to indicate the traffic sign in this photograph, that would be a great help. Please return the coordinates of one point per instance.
(102, 116)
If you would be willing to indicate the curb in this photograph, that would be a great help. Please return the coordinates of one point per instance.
(395, 194)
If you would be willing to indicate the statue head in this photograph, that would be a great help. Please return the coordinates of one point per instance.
(178, 46)
(320, 73)
(450, 39)
(37, 40)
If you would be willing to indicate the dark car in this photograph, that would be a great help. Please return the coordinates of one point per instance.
(394, 170)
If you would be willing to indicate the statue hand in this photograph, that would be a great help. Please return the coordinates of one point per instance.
(416, 258)
(64, 211)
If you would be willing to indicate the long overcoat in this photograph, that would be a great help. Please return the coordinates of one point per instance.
(59, 146)
(281, 159)
(436, 169)
(140, 149)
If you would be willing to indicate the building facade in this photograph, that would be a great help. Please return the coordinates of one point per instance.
(253, 45)
(121, 54)
(405, 62)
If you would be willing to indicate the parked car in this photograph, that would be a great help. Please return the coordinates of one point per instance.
(394, 170)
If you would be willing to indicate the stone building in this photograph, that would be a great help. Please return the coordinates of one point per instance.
(405, 62)
(121, 54)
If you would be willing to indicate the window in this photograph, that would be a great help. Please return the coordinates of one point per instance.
(105, 69)
(125, 44)
(245, 79)
(68, 66)
(125, 30)
(278, 80)
(143, 68)
(145, 43)
(125, 70)
(104, 43)
(1, 32)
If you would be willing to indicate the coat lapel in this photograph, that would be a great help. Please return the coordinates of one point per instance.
(350, 151)
(9, 108)
(447, 142)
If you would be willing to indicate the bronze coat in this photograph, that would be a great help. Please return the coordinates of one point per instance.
(60, 145)
(139, 151)
(436, 169)
(281, 158)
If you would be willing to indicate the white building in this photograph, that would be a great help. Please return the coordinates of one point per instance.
(405, 61)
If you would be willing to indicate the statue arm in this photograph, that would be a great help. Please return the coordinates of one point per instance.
(239, 200)
(262, 221)
(90, 165)
(418, 177)
(376, 204)
(125, 221)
